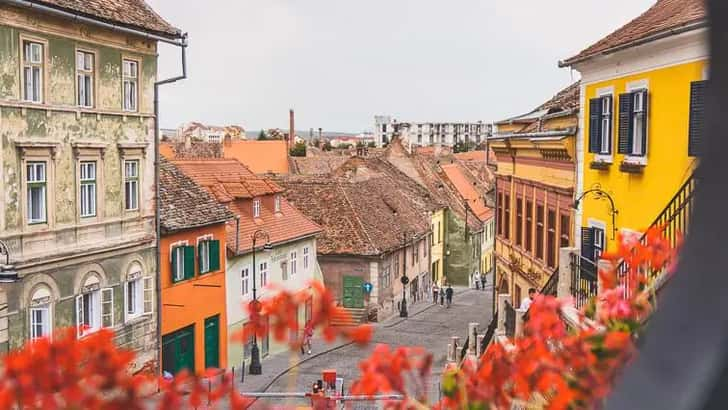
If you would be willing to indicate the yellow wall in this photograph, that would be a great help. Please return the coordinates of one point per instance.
(639, 198)
(438, 243)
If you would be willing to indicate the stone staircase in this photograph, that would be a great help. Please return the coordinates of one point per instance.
(350, 317)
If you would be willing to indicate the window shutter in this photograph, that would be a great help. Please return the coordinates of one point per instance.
(189, 262)
(148, 295)
(697, 117)
(79, 315)
(174, 264)
(625, 124)
(214, 256)
(587, 243)
(107, 307)
(199, 258)
(595, 124)
(646, 106)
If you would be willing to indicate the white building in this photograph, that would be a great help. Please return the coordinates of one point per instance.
(425, 134)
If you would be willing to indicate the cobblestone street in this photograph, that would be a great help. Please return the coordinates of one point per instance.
(429, 326)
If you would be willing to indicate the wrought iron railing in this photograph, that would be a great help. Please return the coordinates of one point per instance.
(674, 221)
(551, 285)
(584, 283)
(510, 323)
(489, 333)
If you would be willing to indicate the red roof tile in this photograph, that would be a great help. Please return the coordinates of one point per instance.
(227, 179)
(466, 187)
(130, 13)
(662, 17)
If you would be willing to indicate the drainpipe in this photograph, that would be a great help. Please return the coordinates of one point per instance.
(157, 220)
(237, 234)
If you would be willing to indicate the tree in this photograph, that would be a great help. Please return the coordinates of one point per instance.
(459, 147)
(298, 150)
(262, 136)
(327, 146)
(372, 144)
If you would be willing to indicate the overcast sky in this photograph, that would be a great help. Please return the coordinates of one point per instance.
(340, 62)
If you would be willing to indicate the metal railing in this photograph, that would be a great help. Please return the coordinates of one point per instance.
(674, 221)
(510, 323)
(489, 333)
(551, 285)
(584, 283)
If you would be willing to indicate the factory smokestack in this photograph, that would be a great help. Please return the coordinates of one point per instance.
(292, 129)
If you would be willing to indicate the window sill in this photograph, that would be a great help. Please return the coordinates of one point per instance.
(600, 165)
(141, 317)
(631, 167)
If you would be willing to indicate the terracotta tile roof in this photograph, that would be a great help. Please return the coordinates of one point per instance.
(129, 13)
(317, 165)
(566, 100)
(364, 207)
(466, 187)
(663, 16)
(227, 179)
(184, 204)
(234, 185)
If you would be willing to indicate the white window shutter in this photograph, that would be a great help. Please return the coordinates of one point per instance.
(107, 307)
(79, 315)
(148, 295)
(125, 308)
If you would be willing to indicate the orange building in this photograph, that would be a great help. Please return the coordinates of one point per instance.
(261, 157)
(192, 275)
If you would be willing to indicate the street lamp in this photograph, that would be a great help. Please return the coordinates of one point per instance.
(7, 271)
(599, 193)
(404, 279)
(255, 366)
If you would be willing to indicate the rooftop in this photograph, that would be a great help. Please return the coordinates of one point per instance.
(184, 204)
(664, 17)
(134, 14)
(466, 186)
(565, 102)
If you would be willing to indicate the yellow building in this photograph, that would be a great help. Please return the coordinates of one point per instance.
(642, 94)
(438, 245)
(535, 186)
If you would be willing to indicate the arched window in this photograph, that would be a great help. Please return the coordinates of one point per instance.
(138, 292)
(94, 306)
(40, 312)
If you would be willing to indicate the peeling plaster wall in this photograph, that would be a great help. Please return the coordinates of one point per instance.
(460, 264)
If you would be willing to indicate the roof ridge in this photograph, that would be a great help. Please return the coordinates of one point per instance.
(356, 215)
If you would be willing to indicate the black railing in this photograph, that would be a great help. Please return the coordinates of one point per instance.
(583, 280)
(674, 221)
(510, 320)
(489, 333)
(550, 288)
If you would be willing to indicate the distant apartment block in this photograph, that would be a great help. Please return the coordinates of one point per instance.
(426, 134)
(205, 133)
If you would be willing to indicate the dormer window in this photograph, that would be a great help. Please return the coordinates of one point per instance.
(256, 208)
(277, 203)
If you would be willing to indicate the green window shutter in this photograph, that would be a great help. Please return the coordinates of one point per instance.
(199, 259)
(189, 262)
(214, 256)
(595, 124)
(624, 145)
(697, 117)
(174, 264)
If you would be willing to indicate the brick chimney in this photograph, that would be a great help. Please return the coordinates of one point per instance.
(291, 129)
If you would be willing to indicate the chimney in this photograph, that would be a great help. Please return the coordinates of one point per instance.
(292, 129)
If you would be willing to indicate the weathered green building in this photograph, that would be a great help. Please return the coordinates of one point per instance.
(77, 212)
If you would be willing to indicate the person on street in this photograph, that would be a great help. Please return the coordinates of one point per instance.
(482, 281)
(435, 291)
(476, 280)
(307, 336)
(526, 302)
(448, 295)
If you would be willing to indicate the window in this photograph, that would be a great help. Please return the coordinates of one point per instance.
(565, 232)
(499, 216)
(592, 243)
(424, 248)
(386, 278)
(305, 257)
(263, 268)
(88, 188)
(633, 108)
(36, 188)
(697, 117)
(213, 138)
(284, 270)
(256, 208)
(529, 226)
(131, 84)
(551, 240)
(507, 216)
(84, 79)
(606, 125)
(183, 263)
(395, 265)
(134, 298)
(519, 221)
(33, 71)
(294, 264)
(539, 231)
(245, 281)
(415, 254)
(131, 185)
(40, 322)
(208, 255)
(419, 138)
(94, 309)
(439, 230)
(600, 125)
(277, 203)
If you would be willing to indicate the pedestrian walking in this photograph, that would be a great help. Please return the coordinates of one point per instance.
(448, 295)
(476, 280)
(307, 336)
(435, 291)
(442, 297)
(483, 279)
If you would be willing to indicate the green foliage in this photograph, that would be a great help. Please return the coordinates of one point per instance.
(372, 144)
(262, 136)
(327, 146)
(298, 150)
(459, 147)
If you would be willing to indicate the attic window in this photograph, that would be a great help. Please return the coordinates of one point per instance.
(277, 203)
(256, 208)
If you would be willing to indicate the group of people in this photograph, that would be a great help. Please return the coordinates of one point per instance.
(478, 280)
(444, 293)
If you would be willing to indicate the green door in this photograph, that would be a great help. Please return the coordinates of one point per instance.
(178, 350)
(353, 292)
(212, 342)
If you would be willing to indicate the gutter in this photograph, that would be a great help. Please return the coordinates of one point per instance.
(157, 199)
(541, 134)
(179, 40)
(657, 36)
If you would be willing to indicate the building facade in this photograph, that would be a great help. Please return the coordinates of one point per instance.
(77, 171)
(535, 181)
(425, 134)
(642, 103)
(192, 275)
